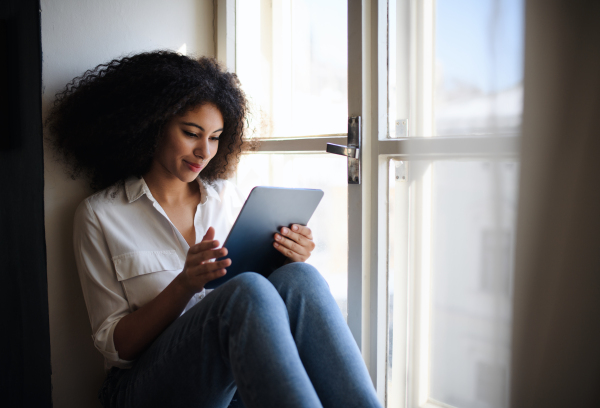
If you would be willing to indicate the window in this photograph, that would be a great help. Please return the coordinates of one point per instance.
(419, 255)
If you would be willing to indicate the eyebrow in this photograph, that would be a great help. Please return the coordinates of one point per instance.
(199, 127)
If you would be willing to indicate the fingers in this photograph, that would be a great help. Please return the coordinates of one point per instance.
(209, 254)
(293, 235)
(200, 265)
(303, 240)
(199, 256)
(206, 272)
(302, 230)
(214, 275)
(208, 269)
(287, 246)
(210, 234)
(204, 256)
(208, 242)
(290, 253)
(294, 245)
(203, 246)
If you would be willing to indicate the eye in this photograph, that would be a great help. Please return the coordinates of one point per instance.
(190, 134)
(215, 138)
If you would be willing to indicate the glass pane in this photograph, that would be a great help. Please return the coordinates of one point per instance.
(291, 58)
(478, 67)
(459, 217)
(329, 223)
(473, 218)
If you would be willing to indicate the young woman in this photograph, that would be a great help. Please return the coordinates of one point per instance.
(157, 135)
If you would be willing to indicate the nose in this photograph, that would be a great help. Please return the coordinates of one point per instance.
(202, 149)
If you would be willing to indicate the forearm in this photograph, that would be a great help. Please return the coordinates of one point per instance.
(137, 330)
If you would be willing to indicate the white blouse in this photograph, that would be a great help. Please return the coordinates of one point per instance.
(127, 251)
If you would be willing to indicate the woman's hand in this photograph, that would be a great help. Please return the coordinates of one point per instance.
(200, 266)
(295, 243)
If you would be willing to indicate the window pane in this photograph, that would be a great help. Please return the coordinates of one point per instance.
(473, 226)
(466, 236)
(329, 223)
(291, 58)
(478, 66)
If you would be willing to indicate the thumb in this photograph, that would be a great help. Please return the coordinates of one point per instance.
(210, 234)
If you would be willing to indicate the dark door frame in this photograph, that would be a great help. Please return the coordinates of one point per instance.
(25, 334)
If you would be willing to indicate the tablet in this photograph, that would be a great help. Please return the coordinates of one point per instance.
(266, 210)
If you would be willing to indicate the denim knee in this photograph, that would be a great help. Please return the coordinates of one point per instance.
(298, 276)
(255, 288)
(250, 281)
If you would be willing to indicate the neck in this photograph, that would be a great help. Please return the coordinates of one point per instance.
(168, 189)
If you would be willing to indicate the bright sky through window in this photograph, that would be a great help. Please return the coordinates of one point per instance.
(480, 43)
(478, 67)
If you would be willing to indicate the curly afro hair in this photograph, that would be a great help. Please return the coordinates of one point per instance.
(107, 123)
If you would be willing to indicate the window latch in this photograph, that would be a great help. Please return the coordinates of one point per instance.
(352, 151)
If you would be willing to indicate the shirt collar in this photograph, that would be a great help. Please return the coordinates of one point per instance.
(136, 187)
(207, 191)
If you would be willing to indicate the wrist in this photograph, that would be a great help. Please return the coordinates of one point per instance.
(182, 287)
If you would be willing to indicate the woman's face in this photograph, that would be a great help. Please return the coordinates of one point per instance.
(189, 142)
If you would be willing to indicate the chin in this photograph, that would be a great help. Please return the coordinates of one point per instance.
(186, 175)
(189, 179)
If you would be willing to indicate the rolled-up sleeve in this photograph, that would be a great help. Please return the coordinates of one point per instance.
(104, 296)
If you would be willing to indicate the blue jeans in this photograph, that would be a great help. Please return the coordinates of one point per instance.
(281, 341)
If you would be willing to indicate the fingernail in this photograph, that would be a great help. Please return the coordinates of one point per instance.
(277, 237)
(295, 228)
(284, 230)
(276, 245)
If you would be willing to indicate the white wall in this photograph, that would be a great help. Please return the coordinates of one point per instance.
(78, 35)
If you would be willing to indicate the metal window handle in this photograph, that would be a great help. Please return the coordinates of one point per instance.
(352, 151)
(343, 150)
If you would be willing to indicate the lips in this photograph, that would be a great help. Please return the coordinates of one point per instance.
(193, 166)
